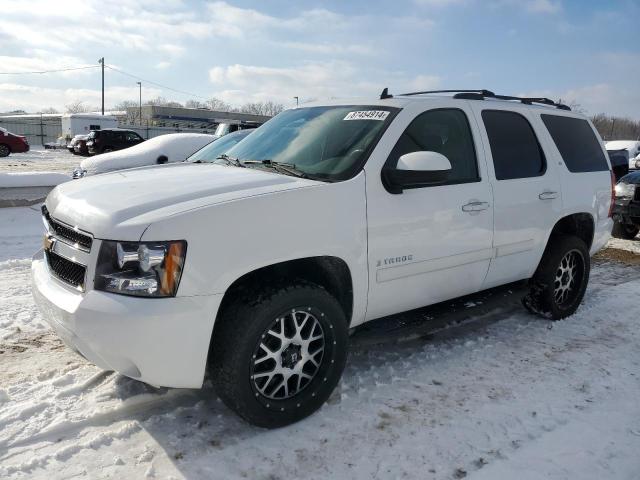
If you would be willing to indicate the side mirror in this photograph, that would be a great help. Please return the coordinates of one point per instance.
(417, 169)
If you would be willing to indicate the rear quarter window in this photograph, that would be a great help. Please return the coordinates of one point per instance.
(576, 142)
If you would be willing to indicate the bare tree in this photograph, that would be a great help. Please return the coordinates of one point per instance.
(616, 128)
(77, 106)
(132, 109)
(268, 108)
(219, 105)
(49, 110)
(163, 102)
(195, 104)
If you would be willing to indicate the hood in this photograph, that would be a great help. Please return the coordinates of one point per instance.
(633, 178)
(121, 205)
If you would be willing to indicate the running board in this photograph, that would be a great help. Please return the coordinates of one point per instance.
(442, 319)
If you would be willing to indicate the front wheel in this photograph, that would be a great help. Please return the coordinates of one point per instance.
(4, 150)
(625, 231)
(277, 354)
(559, 283)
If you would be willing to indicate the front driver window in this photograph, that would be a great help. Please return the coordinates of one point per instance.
(445, 131)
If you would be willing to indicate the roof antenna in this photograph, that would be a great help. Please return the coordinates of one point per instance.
(385, 94)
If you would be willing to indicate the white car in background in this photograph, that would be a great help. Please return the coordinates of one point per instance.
(169, 148)
(631, 146)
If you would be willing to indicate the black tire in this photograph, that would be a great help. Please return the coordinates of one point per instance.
(242, 328)
(5, 150)
(107, 149)
(551, 281)
(625, 231)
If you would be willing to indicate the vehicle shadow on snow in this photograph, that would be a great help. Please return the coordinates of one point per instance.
(193, 427)
(199, 428)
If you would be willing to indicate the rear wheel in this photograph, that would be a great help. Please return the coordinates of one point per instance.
(4, 150)
(625, 231)
(277, 354)
(559, 284)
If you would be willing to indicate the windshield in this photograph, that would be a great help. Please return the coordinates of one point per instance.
(213, 150)
(322, 142)
(222, 129)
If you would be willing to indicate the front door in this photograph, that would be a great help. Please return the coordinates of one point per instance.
(431, 243)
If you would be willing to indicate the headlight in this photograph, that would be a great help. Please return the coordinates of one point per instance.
(625, 189)
(142, 269)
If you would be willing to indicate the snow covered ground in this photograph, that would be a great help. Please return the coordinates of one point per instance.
(40, 160)
(520, 398)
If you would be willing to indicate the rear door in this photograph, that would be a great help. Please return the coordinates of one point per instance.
(526, 191)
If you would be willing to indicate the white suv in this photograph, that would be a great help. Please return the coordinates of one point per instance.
(258, 264)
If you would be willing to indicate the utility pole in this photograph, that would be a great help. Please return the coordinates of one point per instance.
(140, 105)
(101, 61)
(296, 101)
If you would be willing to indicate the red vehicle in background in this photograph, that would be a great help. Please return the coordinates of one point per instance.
(11, 143)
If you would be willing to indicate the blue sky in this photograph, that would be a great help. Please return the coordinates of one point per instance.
(582, 51)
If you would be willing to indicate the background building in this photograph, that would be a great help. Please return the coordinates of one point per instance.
(156, 120)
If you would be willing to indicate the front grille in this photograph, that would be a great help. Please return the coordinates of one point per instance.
(66, 232)
(66, 270)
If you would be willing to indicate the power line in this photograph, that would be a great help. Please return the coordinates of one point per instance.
(122, 72)
(155, 83)
(49, 71)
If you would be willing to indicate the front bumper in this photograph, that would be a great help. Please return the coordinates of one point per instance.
(626, 211)
(160, 341)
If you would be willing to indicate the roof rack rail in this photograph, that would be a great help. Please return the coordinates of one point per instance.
(487, 93)
(482, 94)
(532, 100)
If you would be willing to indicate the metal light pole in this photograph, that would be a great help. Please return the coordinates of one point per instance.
(140, 105)
(296, 101)
(101, 61)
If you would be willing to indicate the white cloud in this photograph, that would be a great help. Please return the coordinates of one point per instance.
(543, 6)
(438, 3)
(330, 48)
(242, 83)
(532, 6)
(597, 98)
(40, 62)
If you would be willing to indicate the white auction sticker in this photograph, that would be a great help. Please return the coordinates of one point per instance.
(367, 115)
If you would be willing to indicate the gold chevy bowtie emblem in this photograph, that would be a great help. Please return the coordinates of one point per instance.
(48, 242)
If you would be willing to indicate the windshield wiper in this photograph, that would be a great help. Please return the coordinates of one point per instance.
(230, 160)
(282, 167)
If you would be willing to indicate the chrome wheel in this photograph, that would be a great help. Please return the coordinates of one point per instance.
(568, 278)
(288, 356)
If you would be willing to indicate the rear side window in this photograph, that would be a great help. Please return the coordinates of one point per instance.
(515, 148)
(576, 142)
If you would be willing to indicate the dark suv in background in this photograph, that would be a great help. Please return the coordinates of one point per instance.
(109, 140)
(626, 210)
